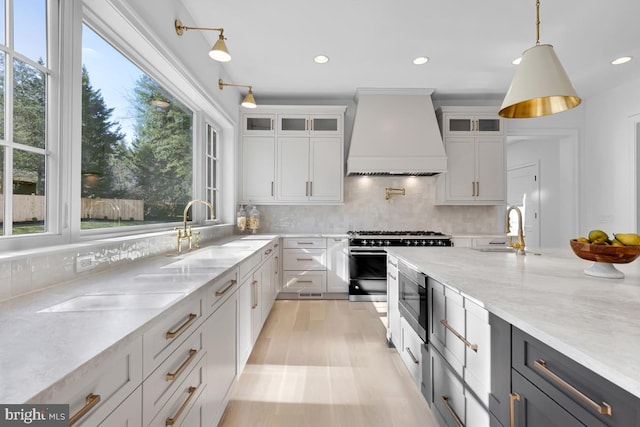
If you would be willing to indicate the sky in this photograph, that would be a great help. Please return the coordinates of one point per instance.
(114, 75)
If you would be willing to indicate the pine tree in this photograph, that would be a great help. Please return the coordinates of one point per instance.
(161, 153)
(102, 141)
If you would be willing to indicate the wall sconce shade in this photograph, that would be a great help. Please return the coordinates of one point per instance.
(249, 101)
(540, 86)
(219, 51)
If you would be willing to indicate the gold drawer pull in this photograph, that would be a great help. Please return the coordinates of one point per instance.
(172, 421)
(416, 361)
(473, 347)
(232, 283)
(391, 262)
(392, 276)
(173, 334)
(305, 243)
(445, 400)
(90, 401)
(172, 376)
(255, 294)
(268, 251)
(304, 259)
(304, 281)
(603, 409)
(512, 408)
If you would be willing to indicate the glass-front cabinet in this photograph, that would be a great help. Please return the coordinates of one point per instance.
(464, 121)
(300, 124)
(259, 124)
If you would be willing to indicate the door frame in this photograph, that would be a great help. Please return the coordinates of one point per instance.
(535, 164)
(569, 139)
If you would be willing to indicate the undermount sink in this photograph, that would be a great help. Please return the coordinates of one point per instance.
(97, 302)
(493, 249)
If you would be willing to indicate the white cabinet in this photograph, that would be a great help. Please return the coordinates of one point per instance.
(466, 121)
(309, 124)
(255, 298)
(128, 414)
(393, 313)
(304, 266)
(310, 169)
(219, 333)
(338, 264)
(103, 387)
(411, 351)
(259, 124)
(301, 162)
(258, 168)
(460, 336)
(476, 165)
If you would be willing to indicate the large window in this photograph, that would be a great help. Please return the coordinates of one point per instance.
(137, 143)
(25, 82)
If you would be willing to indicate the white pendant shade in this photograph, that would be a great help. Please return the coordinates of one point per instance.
(540, 86)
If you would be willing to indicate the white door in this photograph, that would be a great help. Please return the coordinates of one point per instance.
(524, 192)
(325, 174)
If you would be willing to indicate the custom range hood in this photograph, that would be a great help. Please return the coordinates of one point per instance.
(395, 132)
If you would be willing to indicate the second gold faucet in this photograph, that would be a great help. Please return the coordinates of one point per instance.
(519, 245)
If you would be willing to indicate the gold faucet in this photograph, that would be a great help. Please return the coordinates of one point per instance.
(185, 232)
(389, 191)
(519, 245)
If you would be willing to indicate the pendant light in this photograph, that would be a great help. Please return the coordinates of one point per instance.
(540, 86)
(249, 101)
(219, 51)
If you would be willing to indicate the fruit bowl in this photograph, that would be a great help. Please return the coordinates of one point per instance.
(604, 256)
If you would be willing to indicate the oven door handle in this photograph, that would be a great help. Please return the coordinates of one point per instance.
(352, 252)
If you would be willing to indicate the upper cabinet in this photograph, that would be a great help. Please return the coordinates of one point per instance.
(258, 124)
(475, 144)
(310, 124)
(300, 161)
(459, 121)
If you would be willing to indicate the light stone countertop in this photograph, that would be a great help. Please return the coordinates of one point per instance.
(41, 349)
(594, 321)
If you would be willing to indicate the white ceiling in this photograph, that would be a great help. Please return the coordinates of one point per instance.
(371, 43)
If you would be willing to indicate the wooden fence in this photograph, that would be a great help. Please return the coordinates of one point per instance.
(31, 208)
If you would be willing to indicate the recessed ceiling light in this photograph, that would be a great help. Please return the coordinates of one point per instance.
(321, 59)
(621, 60)
(517, 61)
(421, 60)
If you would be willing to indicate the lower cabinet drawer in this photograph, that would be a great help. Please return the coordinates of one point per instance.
(163, 382)
(532, 408)
(448, 392)
(221, 289)
(166, 335)
(186, 396)
(585, 394)
(304, 259)
(411, 351)
(96, 391)
(128, 414)
(312, 281)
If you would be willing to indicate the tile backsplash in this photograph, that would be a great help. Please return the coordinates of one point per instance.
(365, 208)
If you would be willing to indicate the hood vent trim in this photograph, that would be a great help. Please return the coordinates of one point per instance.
(395, 132)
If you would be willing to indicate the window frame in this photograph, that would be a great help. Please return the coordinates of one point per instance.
(121, 29)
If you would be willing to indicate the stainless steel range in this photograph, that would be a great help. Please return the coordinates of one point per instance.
(368, 258)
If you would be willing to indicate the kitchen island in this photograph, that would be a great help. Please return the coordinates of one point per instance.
(594, 321)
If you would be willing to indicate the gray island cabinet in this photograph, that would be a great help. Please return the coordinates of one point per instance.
(529, 341)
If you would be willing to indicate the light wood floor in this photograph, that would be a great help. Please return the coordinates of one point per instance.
(325, 363)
